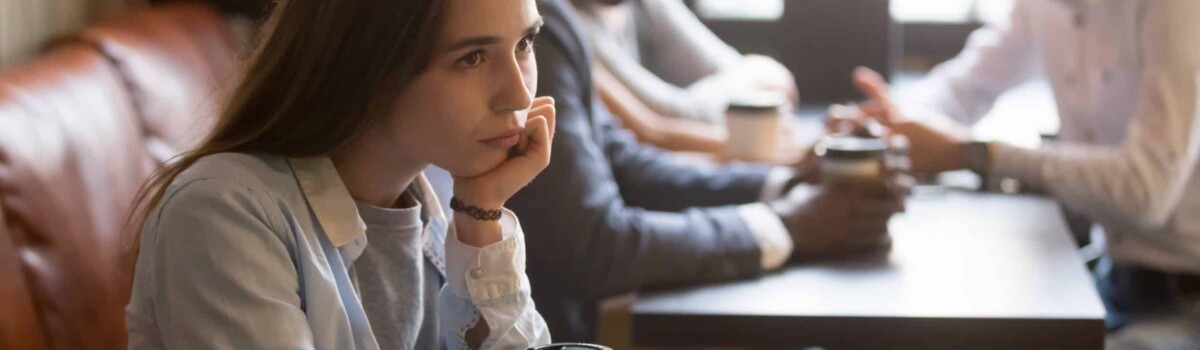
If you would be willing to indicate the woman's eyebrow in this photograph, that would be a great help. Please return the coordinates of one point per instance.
(491, 40)
(473, 41)
(537, 25)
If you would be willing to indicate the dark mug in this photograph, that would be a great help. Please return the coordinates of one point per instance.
(571, 346)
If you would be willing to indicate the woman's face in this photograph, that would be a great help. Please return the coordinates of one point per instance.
(466, 110)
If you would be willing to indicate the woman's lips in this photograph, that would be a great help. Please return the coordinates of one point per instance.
(503, 142)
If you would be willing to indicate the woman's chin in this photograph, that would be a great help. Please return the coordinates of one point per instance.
(476, 168)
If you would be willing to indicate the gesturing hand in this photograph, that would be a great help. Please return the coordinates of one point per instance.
(934, 147)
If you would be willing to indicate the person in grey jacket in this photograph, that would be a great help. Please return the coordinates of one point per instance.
(638, 217)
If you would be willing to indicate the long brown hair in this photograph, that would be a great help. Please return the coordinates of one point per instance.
(325, 71)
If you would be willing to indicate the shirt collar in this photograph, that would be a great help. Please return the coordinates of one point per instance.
(331, 203)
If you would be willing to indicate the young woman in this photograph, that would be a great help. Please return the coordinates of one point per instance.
(303, 220)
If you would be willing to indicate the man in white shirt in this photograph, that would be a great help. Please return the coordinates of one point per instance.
(1125, 76)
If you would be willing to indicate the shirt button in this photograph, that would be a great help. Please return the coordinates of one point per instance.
(476, 273)
(1107, 76)
(1070, 79)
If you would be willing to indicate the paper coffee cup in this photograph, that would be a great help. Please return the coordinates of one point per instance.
(851, 159)
(753, 123)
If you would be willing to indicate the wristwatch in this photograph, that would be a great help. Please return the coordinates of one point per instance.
(978, 155)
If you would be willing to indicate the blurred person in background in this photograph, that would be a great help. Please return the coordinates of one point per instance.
(303, 220)
(642, 217)
(1126, 78)
(244, 18)
(667, 77)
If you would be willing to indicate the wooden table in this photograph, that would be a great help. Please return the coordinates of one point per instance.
(967, 271)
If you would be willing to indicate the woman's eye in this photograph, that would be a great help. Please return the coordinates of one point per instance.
(470, 60)
(526, 44)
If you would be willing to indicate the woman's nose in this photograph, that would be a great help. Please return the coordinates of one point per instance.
(514, 89)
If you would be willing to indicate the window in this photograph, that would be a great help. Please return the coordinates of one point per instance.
(939, 11)
(743, 10)
(950, 11)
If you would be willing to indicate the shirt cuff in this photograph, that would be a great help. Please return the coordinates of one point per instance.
(485, 273)
(773, 239)
(777, 178)
(1022, 164)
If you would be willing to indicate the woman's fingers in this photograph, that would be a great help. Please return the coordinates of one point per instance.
(551, 119)
(541, 101)
(544, 107)
(518, 170)
(541, 107)
(529, 158)
(547, 111)
(538, 133)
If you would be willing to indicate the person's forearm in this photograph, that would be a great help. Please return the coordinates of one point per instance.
(1120, 185)
(488, 293)
(690, 136)
(650, 127)
(475, 232)
(674, 134)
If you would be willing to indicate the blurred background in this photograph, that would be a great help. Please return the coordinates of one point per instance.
(170, 63)
(26, 25)
(901, 38)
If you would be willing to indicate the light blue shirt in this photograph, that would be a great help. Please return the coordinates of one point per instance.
(252, 251)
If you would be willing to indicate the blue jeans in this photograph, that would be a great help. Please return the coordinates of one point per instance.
(1146, 313)
(1130, 293)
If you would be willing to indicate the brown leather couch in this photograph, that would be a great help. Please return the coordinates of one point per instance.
(81, 128)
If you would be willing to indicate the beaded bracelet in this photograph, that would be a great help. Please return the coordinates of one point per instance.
(474, 212)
